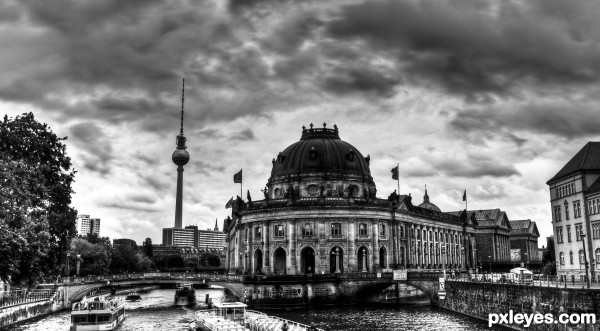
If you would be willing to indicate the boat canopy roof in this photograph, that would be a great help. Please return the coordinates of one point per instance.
(221, 305)
(518, 271)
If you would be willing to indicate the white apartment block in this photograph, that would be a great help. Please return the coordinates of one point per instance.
(575, 203)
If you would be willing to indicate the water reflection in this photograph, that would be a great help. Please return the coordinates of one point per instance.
(156, 312)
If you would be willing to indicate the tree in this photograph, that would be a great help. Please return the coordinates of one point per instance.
(95, 258)
(148, 248)
(24, 235)
(47, 203)
(549, 258)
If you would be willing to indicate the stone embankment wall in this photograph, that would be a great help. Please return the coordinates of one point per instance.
(481, 299)
(21, 312)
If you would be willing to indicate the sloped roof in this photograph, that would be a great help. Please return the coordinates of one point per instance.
(524, 227)
(487, 217)
(588, 158)
(595, 187)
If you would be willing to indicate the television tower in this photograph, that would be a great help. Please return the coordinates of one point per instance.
(180, 157)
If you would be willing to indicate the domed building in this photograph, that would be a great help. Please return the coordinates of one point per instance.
(321, 214)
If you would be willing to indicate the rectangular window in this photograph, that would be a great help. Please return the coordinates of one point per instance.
(362, 229)
(557, 214)
(596, 231)
(278, 230)
(258, 232)
(578, 231)
(568, 233)
(336, 229)
(382, 230)
(559, 235)
(576, 209)
(562, 258)
(307, 229)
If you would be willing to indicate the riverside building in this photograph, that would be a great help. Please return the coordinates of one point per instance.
(321, 214)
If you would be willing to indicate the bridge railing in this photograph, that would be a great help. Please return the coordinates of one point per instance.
(16, 297)
(153, 275)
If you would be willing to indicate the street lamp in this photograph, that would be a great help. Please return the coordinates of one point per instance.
(587, 279)
(68, 270)
(78, 262)
(490, 258)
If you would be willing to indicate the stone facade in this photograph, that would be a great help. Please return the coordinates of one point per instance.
(321, 214)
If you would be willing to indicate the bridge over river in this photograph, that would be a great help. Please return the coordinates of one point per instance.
(269, 290)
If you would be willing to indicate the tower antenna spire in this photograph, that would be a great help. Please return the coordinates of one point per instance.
(182, 102)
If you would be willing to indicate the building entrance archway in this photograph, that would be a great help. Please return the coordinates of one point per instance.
(336, 260)
(383, 258)
(280, 261)
(258, 261)
(307, 259)
(363, 259)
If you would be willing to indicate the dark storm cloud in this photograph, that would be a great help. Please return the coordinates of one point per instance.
(481, 48)
(361, 79)
(97, 151)
(243, 135)
(465, 165)
(566, 118)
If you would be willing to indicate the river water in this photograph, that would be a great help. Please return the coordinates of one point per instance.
(156, 312)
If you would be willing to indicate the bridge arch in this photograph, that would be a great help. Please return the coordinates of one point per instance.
(370, 292)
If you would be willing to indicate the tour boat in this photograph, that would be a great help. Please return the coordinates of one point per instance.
(98, 314)
(133, 296)
(185, 296)
(233, 316)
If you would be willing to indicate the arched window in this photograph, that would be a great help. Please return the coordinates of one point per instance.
(562, 258)
(571, 257)
(597, 255)
(581, 258)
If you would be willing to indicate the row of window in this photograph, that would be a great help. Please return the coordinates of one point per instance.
(307, 230)
(578, 233)
(576, 211)
(564, 190)
(336, 230)
(594, 206)
(581, 257)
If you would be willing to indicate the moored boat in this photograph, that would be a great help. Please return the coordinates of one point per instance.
(233, 316)
(133, 296)
(185, 296)
(97, 314)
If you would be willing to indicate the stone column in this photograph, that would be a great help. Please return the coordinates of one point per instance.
(408, 259)
(293, 267)
(350, 253)
(375, 253)
(267, 249)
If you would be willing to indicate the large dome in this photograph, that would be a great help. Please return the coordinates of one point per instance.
(322, 156)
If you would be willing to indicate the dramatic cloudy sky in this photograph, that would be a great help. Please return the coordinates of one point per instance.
(489, 96)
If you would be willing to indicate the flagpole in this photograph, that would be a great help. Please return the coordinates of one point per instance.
(398, 179)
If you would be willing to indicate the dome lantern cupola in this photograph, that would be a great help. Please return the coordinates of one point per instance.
(321, 164)
(427, 204)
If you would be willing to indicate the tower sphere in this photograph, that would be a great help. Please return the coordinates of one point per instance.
(181, 157)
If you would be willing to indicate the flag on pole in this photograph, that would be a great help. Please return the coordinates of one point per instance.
(395, 173)
(465, 195)
(237, 178)
(229, 203)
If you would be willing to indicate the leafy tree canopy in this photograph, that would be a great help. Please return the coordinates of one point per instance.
(36, 219)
